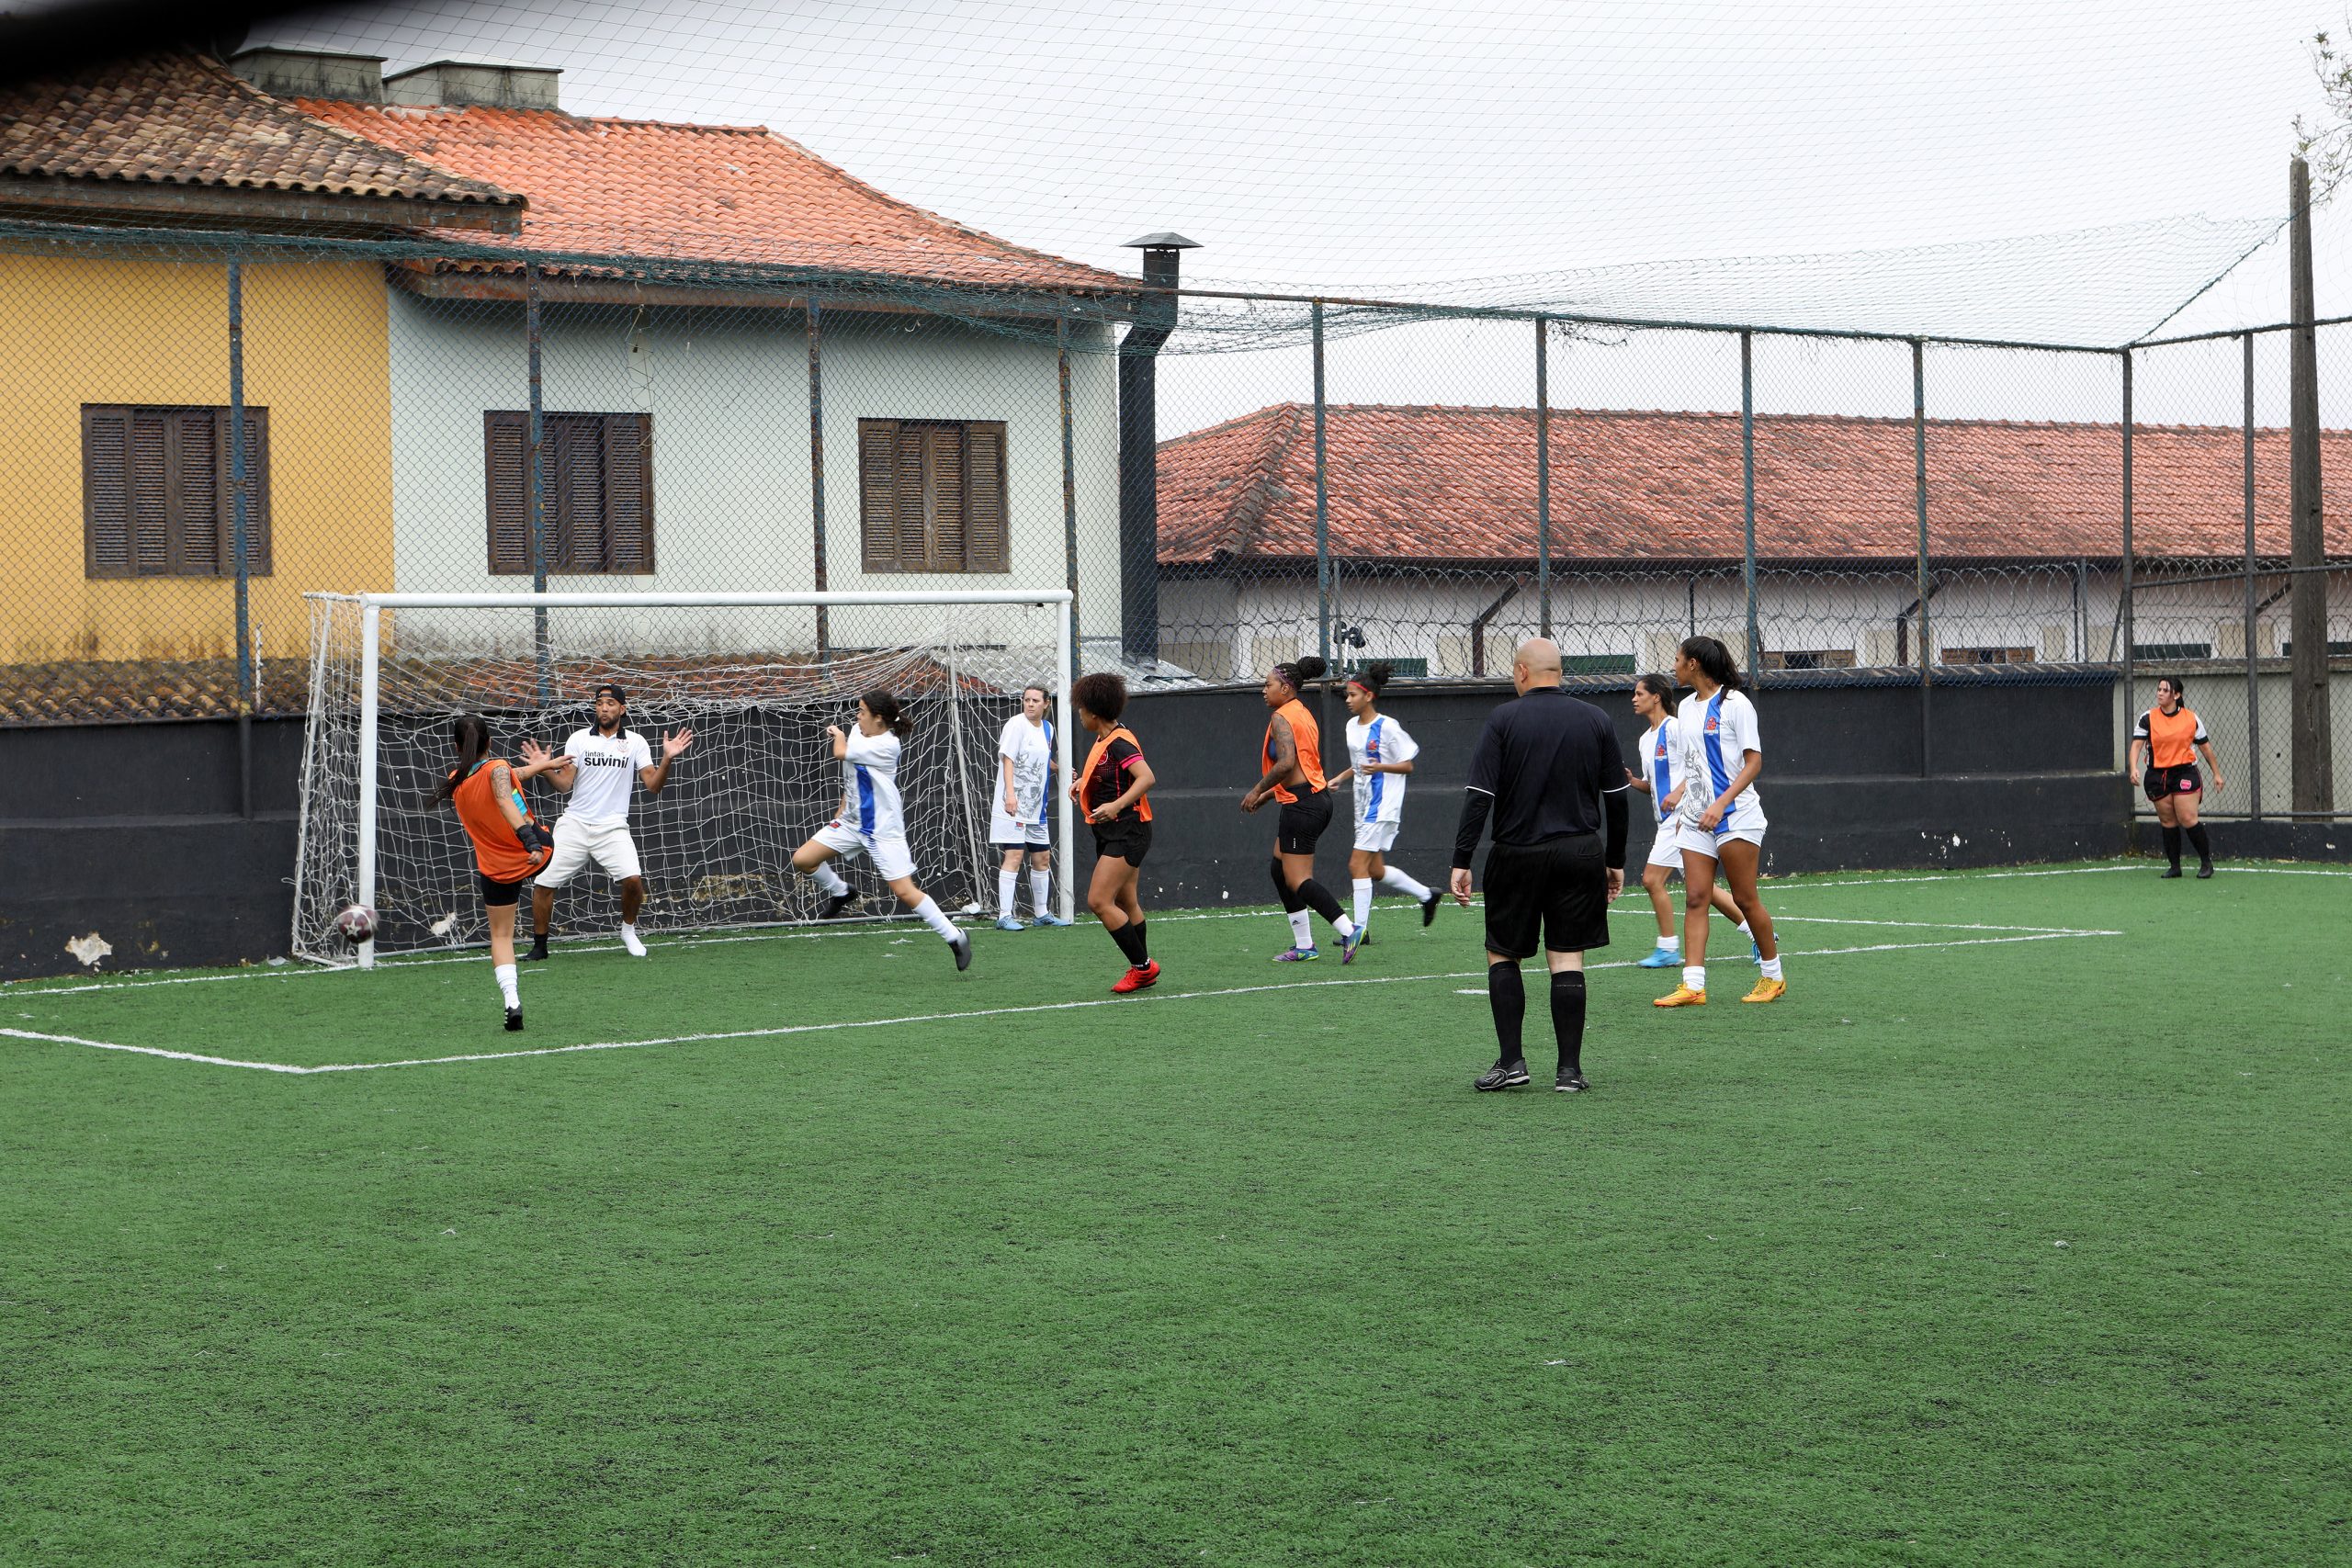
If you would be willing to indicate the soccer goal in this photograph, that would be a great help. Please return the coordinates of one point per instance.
(757, 677)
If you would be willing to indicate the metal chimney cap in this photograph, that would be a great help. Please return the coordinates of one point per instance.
(1166, 240)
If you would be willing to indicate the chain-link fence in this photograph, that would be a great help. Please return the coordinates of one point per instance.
(1221, 480)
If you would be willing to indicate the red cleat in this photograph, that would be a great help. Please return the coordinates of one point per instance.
(1137, 979)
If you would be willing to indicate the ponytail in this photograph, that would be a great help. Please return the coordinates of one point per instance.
(884, 706)
(1712, 656)
(1657, 685)
(470, 735)
(1373, 677)
(1297, 672)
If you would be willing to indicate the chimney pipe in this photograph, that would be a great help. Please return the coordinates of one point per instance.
(1139, 446)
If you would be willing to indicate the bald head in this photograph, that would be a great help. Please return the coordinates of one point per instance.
(1535, 662)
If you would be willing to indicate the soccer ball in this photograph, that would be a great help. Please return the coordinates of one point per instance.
(356, 924)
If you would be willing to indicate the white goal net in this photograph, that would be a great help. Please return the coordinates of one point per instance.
(757, 677)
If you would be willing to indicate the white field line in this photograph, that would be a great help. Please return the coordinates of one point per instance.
(2144, 866)
(1153, 999)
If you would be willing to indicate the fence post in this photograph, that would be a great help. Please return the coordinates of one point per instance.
(1747, 491)
(1919, 499)
(1069, 489)
(1542, 478)
(539, 504)
(2253, 674)
(1322, 506)
(2125, 606)
(817, 472)
(2313, 761)
(239, 547)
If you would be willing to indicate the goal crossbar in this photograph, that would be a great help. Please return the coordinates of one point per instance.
(372, 605)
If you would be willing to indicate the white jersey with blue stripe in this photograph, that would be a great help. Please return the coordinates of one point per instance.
(1662, 759)
(870, 779)
(1715, 734)
(1380, 797)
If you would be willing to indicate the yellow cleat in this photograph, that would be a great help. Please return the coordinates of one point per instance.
(1682, 997)
(1766, 991)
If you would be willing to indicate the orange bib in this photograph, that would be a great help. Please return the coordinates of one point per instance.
(1307, 737)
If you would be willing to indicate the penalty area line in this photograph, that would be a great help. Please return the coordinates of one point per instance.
(1153, 998)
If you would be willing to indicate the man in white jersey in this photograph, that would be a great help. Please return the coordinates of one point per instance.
(1025, 765)
(605, 757)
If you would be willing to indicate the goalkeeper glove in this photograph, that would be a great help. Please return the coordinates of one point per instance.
(533, 836)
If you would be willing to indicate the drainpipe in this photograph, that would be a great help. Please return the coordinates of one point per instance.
(1903, 626)
(1139, 446)
(1479, 621)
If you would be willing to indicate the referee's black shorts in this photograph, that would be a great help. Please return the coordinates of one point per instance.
(1301, 822)
(1557, 890)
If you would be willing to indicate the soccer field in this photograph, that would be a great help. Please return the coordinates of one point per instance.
(2017, 1233)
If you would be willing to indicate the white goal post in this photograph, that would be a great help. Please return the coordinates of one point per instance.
(755, 675)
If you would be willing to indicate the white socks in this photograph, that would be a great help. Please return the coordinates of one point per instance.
(929, 913)
(1302, 934)
(1345, 927)
(1746, 932)
(1695, 977)
(1006, 881)
(1771, 969)
(829, 879)
(504, 974)
(1361, 889)
(1041, 888)
(630, 940)
(1403, 883)
(1671, 944)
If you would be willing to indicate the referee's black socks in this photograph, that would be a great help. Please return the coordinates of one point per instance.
(1568, 1020)
(1506, 995)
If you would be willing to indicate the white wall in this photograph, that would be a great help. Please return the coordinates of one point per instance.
(729, 394)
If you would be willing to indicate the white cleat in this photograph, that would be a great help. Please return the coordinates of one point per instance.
(630, 940)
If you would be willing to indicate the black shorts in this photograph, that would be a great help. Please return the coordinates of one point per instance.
(1557, 890)
(1301, 822)
(2161, 783)
(501, 895)
(1128, 839)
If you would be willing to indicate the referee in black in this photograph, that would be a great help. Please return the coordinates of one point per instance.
(1549, 769)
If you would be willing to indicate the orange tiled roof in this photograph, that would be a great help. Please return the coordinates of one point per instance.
(169, 118)
(1459, 484)
(657, 191)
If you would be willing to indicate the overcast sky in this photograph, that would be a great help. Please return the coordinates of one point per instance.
(1363, 145)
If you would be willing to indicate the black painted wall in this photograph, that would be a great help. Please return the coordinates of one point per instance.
(137, 832)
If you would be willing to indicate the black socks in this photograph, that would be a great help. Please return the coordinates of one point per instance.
(2204, 845)
(2172, 847)
(1506, 995)
(1313, 895)
(1567, 1019)
(1130, 940)
(1292, 903)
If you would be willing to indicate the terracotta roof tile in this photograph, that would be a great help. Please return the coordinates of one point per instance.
(1459, 484)
(183, 120)
(644, 188)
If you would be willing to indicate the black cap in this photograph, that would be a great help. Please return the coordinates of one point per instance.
(609, 690)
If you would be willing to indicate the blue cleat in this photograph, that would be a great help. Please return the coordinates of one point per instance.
(1349, 943)
(1662, 958)
(1007, 923)
(1755, 953)
(1045, 920)
(1296, 955)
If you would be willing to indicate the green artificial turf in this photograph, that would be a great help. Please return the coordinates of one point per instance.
(2017, 1252)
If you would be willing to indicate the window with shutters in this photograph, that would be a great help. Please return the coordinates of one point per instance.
(156, 497)
(595, 488)
(931, 495)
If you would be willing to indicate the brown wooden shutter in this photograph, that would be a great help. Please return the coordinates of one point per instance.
(257, 563)
(148, 469)
(506, 439)
(949, 480)
(105, 492)
(628, 492)
(192, 527)
(575, 504)
(911, 518)
(877, 489)
(986, 546)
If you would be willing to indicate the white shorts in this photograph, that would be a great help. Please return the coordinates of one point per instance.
(1666, 848)
(1747, 827)
(890, 856)
(1377, 836)
(578, 842)
(1009, 832)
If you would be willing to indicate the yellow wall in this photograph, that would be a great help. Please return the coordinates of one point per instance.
(81, 330)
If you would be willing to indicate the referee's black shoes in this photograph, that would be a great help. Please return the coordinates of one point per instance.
(1571, 1083)
(1504, 1075)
